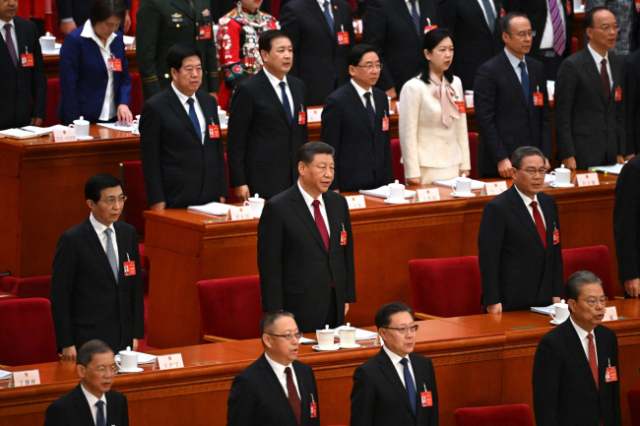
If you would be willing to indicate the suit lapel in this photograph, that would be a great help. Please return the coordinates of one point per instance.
(270, 91)
(123, 251)
(358, 106)
(315, 11)
(270, 377)
(593, 72)
(512, 77)
(94, 242)
(82, 407)
(548, 220)
(97, 56)
(112, 410)
(615, 72)
(401, 5)
(305, 393)
(389, 370)
(335, 220)
(208, 114)
(4, 50)
(522, 212)
(577, 352)
(476, 10)
(303, 211)
(178, 109)
(602, 354)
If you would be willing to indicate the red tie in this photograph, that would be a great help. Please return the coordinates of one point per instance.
(604, 76)
(294, 400)
(322, 227)
(539, 224)
(593, 362)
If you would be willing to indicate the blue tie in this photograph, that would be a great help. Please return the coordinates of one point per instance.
(194, 117)
(408, 381)
(491, 17)
(371, 112)
(285, 102)
(415, 16)
(525, 81)
(100, 420)
(327, 15)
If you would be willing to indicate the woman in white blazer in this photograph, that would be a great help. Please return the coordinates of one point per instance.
(433, 122)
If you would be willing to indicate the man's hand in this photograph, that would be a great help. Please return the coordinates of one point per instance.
(556, 300)
(504, 168)
(629, 157)
(620, 159)
(570, 163)
(124, 114)
(632, 287)
(392, 93)
(223, 199)
(135, 345)
(495, 309)
(36, 121)
(413, 181)
(158, 206)
(346, 309)
(127, 22)
(67, 27)
(242, 192)
(68, 354)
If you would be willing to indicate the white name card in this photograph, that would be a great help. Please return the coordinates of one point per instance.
(611, 314)
(24, 378)
(587, 179)
(314, 115)
(495, 188)
(431, 194)
(168, 362)
(66, 135)
(356, 202)
(240, 213)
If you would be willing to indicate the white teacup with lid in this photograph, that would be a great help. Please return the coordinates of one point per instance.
(347, 336)
(395, 192)
(128, 360)
(559, 312)
(48, 43)
(462, 185)
(136, 125)
(256, 204)
(325, 337)
(563, 175)
(81, 126)
(222, 116)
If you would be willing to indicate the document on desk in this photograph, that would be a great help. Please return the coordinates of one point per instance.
(544, 310)
(214, 208)
(360, 333)
(118, 127)
(382, 192)
(4, 375)
(475, 184)
(142, 358)
(29, 132)
(614, 169)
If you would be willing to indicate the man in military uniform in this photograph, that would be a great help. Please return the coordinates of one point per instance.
(163, 23)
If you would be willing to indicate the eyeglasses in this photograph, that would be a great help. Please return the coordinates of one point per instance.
(533, 172)
(288, 337)
(112, 200)
(592, 300)
(607, 28)
(370, 67)
(104, 370)
(524, 34)
(404, 330)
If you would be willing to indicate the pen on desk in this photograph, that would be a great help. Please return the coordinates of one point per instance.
(26, 130)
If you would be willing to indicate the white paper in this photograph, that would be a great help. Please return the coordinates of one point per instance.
(305, 340)
(215, 208)
(360, 333)
(142, 358)
(614, 169)
(119, 128)
(5, 375)
(381, 192)
(544, 310)
(128, 40)
(475, 184)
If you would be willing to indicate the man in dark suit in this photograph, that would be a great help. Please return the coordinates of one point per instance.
(476, 30)
(519, 241)
(276, 388)
(85, 404)
(395, 387)
(322, 36)
(305, 246)
(632, 102)
(575, 370)
(626, 226)
(96, 285)
(396, 28)
(510, 97)
(23, 87)
(74, 13)
(180, 145)
(267, 123)
(589, 107)
(355, 122)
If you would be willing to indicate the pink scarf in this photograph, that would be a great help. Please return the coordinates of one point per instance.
(446, 94)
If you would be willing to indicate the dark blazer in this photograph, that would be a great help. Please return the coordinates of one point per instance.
(257, 397)
(296, 271)
(73, 409)
(505, 120)
(626, 220)
(564, 391)
(379, 398)
(363, 156)
(632, 102)
(86, 300)
(388, 26)
(262, 146)
(84, 77)
(516, 270)
(23, 90)
(588, 128)
(177, 167)
(318, 59)
(475, 42)
(78, 9)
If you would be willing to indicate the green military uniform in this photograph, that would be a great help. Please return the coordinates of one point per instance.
(163, 23)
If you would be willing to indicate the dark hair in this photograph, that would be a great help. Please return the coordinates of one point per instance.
(430, 41)
(524, 151)
(505, 21)
(383, 316)
(576, 281)
(267, 37)
(270, 318)
(178, 53)
(308, 151)
(89, 349)
(587, 22)
(105, 9)
(96, 183)
(358, 51)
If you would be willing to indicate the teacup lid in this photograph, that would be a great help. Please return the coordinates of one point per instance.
(396, 184)
(128, 351)
(464, 178)
(348, 327)
(326, 329)
(562, 304)
(256, 198)
(48, 36)
(81, 120)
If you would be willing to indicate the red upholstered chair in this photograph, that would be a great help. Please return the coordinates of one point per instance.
(503, 415)
(230, 308)
(445, 287)
(633, 395)
(26, 288)
(595, 259)
(136, 94)
(396, 156)
(53, 97)
(232, 195)
(574, 45)
(26, 334)
(473, 154)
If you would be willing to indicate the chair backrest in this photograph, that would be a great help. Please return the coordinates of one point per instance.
(133, 181)
(473, 154)
(53, 97)
(633, 395)
(26, 334)
(136, 94)
(232, 195)
(396, 156)
(503, 415)
(230, 307)
(27, 288)
(595, 259)
(446, 287)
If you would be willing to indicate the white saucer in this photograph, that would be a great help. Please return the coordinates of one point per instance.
(554, 322)
(350, 347)
(388, 201)
(469, 195)
(137, 370)
(84, 138)
(333, 348)
(51, 52)
(561, 185)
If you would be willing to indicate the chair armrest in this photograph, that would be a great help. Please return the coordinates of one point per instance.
(424, 317)
(216, 339)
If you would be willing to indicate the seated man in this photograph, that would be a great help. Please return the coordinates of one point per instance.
(92, 402)
(275, 389)
(395, 387)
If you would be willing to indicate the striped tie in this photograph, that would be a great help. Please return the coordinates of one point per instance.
(559, 40)
(416, 17)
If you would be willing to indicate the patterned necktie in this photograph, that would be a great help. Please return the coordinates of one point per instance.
(327, 15)
(322, 227)
(285, 102)
(539, 224)
(294, 399)
(100, 420)
(593, 362)
(408, 381)
(194, 117)
(491, 17)
(10, 46)
(111, 254)
(604, 75)
(559, 41)
(416, 16)
(371, 112)
(525, 80)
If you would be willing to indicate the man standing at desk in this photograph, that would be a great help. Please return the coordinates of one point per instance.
(305, 246)
(519, 241)
(575, 370)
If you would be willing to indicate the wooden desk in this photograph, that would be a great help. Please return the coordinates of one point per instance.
(52, 63)
(479, 360)
(185, 247)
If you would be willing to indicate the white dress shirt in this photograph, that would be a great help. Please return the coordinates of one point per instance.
(598, 59)
(515, 63)
(547, 40)
(13, 34)
(361, 93)
(321, 4)
(196, 105)
(91, 399)
(395, 360)
(100, 228)
(282, 376)
(527, 202)
(582, 334)
(409, 6)
(495, 15)
(308, 200)
(275, 82)
(109, 108)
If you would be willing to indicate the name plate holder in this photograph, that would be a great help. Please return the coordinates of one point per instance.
(168, 362)
(431, 194)
(495, 188)
(240, 213)
(587, 179)
(24, 378)
(611, 314)
(356, 202)
(66, 135)
(314, 115)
